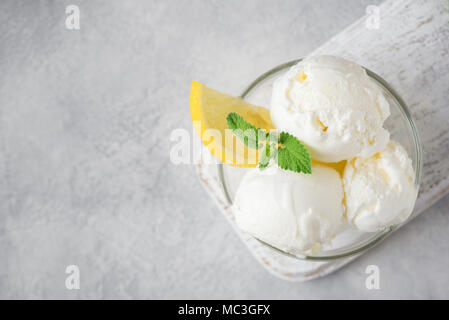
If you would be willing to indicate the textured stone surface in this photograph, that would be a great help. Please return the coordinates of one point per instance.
(85, 177)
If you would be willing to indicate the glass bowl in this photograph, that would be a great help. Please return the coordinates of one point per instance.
(402, 129)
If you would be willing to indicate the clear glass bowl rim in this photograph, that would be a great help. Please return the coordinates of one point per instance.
(381, 235)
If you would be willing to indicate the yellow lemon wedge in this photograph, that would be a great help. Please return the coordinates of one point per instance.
(209, 109)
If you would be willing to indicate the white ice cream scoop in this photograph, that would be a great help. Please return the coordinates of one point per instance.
(332, 106)
(380, 191)
(294, 212)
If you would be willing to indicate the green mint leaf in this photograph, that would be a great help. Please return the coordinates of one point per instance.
(292, 154)
(245, 131)
(289, 152)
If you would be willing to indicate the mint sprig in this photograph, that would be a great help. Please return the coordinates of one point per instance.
(245, 131)
(287, 150)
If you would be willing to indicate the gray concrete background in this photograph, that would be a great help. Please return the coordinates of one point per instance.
(85, 176)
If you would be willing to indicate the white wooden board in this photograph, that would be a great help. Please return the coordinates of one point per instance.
(409, 49)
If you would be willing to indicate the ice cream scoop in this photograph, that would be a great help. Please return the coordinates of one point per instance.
(332, 106)
(294, 212)
(380, 191)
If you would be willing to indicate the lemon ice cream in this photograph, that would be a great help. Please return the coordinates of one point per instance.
(337, 111)
(333, 107)
(294, 212)
(380, 191)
